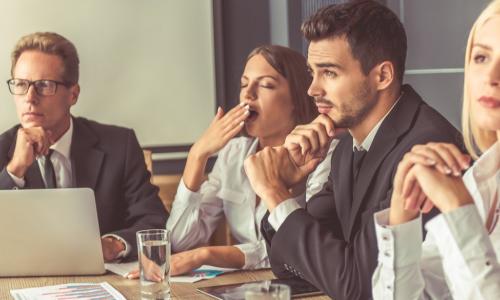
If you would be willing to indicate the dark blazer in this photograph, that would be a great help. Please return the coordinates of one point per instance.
(331, 243)
(109, 160)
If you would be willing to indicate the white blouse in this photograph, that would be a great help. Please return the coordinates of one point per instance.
(458, 259)
(227, 192)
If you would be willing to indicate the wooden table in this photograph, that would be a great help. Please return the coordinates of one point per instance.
(130, 288)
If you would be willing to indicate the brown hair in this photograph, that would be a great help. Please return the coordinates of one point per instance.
(50, 43)
(373, 31)
(293, 66)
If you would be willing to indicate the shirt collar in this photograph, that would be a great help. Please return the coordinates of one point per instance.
(367, 142)
(488, 164)
(63, 145)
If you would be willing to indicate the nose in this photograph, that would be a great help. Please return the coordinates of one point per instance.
(250, 92)
(494, 73)
(315, 89)
(31, 95)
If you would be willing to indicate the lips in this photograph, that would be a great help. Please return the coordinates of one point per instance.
(32, 115)
(323, 109)
(489, 102)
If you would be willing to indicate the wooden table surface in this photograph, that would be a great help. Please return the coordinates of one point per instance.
(130, 288)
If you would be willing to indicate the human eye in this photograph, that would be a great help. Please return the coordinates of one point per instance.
(267, 85)
(19, 83)
(329, 73)
(479, 58)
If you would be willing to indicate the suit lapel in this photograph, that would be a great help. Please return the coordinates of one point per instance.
(342, 181)
(396, 124)
(86, 160)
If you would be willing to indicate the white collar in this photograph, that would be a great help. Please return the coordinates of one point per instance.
(63, 145)
(367, 142)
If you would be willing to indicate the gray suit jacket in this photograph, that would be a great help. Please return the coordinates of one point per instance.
(109, 160)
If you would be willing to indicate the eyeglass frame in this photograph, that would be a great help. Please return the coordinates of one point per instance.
(32, 83)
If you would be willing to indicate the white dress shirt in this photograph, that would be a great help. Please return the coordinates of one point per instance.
(195, 214)
(285, 208)
(458, 259)
(61, 161)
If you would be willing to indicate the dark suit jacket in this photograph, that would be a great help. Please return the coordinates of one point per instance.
(109, 160)
(332, 242)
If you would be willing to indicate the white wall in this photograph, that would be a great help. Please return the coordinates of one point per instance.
(144, 64)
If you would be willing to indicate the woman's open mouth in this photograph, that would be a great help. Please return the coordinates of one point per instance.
(252, 116)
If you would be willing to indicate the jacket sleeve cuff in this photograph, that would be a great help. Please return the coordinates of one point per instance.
(255, 255)
(399, 245)
(124, 253)
(282, 211)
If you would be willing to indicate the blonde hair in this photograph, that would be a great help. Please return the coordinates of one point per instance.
(477, 140)
(50, 43)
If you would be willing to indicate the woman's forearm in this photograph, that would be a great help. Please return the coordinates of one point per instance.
(224, 257)
(194, 171)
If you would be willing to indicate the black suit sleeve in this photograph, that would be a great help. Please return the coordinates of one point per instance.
(144, 209)
(321, 254)
(6, 182)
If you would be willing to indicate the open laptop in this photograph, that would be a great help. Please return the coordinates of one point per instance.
(49, 232)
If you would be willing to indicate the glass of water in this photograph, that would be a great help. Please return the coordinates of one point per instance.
(153, 251)
(268, 291)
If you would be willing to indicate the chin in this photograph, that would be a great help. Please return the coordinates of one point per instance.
(486, 119)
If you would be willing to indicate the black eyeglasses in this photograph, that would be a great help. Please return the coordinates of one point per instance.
(42, 87)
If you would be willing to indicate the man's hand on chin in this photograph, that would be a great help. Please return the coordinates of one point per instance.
(272, 173)
(111, 247)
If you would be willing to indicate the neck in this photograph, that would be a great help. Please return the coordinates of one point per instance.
(385, 101)
(60, 130)
(271, 141)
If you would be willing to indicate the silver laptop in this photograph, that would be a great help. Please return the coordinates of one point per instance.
(49, 232)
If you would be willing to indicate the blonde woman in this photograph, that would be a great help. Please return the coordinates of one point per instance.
(458, 259)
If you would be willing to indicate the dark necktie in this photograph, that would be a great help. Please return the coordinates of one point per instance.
(357, 160)
(50, 175)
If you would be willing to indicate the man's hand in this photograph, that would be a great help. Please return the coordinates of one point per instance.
(272, 172)
(30, 143)
(311, 140)
(111, 247)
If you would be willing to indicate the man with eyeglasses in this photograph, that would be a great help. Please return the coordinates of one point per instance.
(52, 149)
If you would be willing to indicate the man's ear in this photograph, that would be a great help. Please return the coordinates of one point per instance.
(75, 92)
(384, 74)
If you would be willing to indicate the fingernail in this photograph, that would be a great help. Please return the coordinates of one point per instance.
(457, 173)
(331, 132)
(247, 112)
(242, 123)
(247, 107)
(126, 275)
(431, 161)
(447, 170)
(242, 104)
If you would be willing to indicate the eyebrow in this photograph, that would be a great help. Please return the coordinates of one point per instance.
(261, 77)
(481, 46)
(325, 65)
